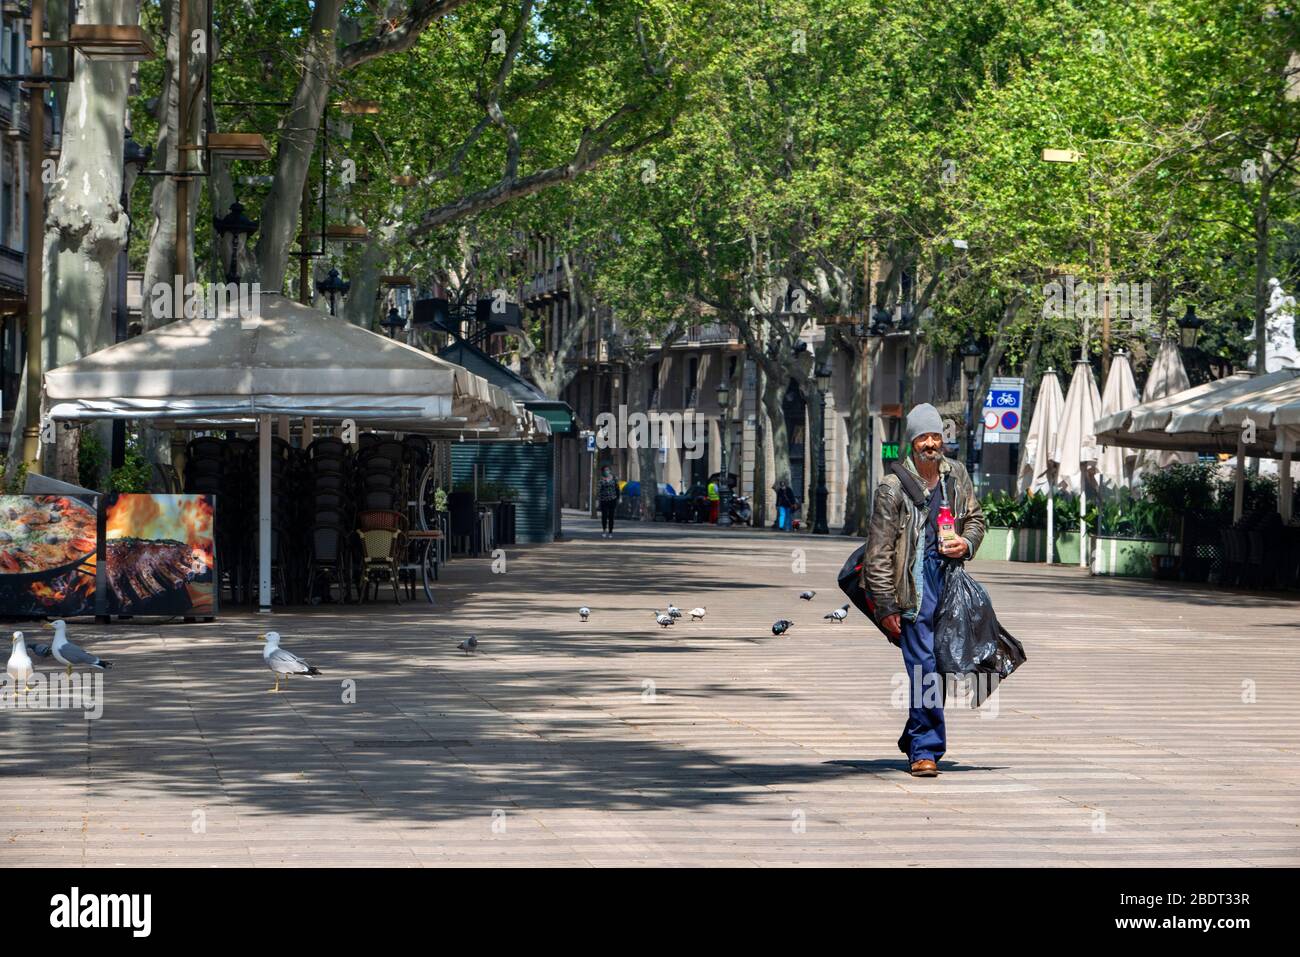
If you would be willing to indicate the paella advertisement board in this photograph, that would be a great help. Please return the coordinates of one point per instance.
(159, 555)
(48, 547)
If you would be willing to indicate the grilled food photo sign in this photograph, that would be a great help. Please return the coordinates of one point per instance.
(159, 554)
(48, 550)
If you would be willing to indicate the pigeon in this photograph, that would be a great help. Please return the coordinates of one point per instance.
(697, 614)
(584, 612)
(66, 653)
(40, 650)
(780, 626)
(807, 595)
(469, 644)
(20, 663)
(283, 662)
(674, 611)
(664, 620)
(839, 614)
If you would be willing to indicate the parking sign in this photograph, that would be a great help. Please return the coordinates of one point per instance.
(1002, 411)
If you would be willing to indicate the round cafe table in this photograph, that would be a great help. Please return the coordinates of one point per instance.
(427, 564)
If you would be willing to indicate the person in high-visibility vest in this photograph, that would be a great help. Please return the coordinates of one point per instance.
(714, 498)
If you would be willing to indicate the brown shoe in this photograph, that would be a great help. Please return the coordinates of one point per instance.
(925, 768)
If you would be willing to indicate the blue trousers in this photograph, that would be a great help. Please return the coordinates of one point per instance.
(924, 735)
(782, 517)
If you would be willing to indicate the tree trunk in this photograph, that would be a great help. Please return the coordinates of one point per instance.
(85, 225)
(996, 351)
(1261, 275)
(363, 300)
(279, 215)
(645, 456)
(773, 403)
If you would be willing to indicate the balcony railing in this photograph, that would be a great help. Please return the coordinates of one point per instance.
(708, 333)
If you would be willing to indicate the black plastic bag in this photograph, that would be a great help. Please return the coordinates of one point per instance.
(850, 582)
(968, 638)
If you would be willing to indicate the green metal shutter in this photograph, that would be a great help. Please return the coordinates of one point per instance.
(527, 468)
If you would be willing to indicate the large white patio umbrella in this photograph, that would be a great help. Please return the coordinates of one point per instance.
(1167, 377)
(1036, 472)
(1116, 466)
(1075, 452)
(283, 359)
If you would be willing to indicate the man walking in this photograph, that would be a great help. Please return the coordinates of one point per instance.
(903, 569)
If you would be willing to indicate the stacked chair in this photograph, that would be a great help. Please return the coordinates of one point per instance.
(330, 508)
(381, 516)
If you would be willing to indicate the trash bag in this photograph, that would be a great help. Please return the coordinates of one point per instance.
(850, 582)
(968, 639)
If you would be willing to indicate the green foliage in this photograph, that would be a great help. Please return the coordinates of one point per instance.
(13, 482)
(488, 491)
(91, 456)
(1179, 490)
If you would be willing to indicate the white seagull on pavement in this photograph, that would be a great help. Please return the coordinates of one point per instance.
(20, 662)
(283, 662)
(66, 653)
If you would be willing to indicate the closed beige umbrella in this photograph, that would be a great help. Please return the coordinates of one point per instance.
(1075, 452)
(1167, 377)
(1116, 465)
(1035, 473)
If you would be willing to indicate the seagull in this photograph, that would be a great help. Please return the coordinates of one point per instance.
(663, 619)
(697, 614)
(839, 614)
(674, 611)
(584, 612)
(284, 662)
(780, 625)
(20, 662)
(807, 595)
(66, 653)
(469, 644)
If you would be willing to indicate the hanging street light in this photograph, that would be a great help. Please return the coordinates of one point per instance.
(1189, 328)
(234, 228)
(393, 323)
(334, 286)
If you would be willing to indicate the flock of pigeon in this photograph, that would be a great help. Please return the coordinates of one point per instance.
(284, 663)
(666, 619)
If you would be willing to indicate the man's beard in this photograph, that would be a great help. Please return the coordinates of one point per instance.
(931, 455)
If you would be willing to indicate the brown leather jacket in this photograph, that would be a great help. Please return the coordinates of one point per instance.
(897, 531)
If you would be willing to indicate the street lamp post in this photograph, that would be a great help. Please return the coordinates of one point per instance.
(970, 361)
(820, 526)
(724, 493)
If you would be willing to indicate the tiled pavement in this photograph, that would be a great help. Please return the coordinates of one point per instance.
(1129, 738)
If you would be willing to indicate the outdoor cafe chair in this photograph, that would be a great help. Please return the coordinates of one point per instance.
(381, 550)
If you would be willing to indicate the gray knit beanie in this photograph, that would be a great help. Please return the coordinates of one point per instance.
(922, 419)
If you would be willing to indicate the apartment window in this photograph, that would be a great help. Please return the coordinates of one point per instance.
(689, 397)
(6, 213)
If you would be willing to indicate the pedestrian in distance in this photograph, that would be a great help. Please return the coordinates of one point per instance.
(607, 496)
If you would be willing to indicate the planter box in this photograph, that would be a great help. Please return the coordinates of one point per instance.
(1067, 548)
(1128, 557)
(1013, 545)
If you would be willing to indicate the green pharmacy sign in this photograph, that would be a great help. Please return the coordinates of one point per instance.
(888, 451)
